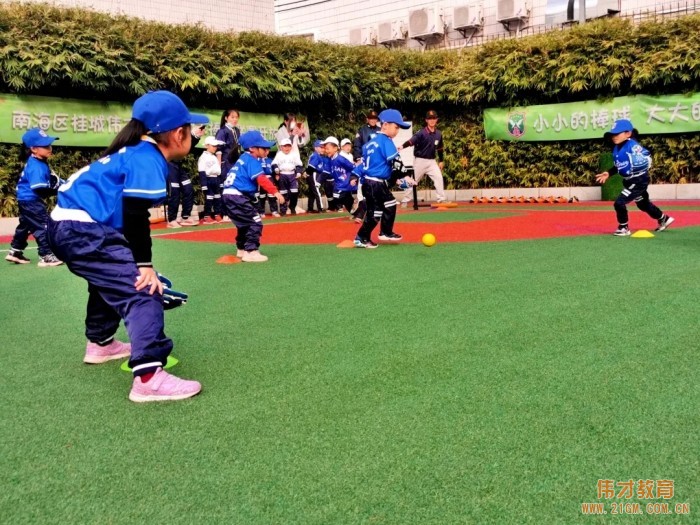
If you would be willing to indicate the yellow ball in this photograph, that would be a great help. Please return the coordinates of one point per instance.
(429, 239)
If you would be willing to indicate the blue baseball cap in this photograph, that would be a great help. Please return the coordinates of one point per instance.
(37, 138)
(254, 139)
(162, 111)
(318, 143)
(394, 117)
(620, 126)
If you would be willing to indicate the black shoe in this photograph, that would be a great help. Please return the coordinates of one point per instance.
(664, 222)
(390, 237)
(17, 257)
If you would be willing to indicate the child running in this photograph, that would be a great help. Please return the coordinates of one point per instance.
(239, 198)
(100, 228)
(377, 161)
(36, 182)
(632, 161)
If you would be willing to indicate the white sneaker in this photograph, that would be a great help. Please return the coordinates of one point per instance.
(174, 224)
(275, 214)
(240, 253)
(622, 232)
(253, 256)
(189, 221)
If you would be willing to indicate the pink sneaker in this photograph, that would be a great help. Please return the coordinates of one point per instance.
(96, 354)
(163, 387)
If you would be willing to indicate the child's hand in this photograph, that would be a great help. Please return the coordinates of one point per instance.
(279, 197)
(148, 278)
(602, 177)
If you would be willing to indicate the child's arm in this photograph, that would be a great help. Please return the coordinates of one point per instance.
(137, 231)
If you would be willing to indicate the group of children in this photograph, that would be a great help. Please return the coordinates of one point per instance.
(100, 226)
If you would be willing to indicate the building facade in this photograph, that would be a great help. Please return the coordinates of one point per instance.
(450, 23)
(219, 15)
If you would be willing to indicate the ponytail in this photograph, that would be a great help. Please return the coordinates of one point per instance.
(130, 135)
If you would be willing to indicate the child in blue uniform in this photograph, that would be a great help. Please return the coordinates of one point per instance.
(314, 178)
(239, 198)
(100, 228)
(344, 182)
(632, 161)
(36, 182)
(376, 169)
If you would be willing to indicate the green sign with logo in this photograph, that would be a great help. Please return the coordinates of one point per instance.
(93, 123)
(591, 119)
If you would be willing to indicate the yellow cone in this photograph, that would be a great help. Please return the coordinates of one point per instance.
(642, 234)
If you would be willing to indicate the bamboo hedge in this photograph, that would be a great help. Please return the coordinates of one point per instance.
(45, 50)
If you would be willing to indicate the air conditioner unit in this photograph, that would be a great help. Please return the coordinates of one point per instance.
(361, 36)
(467, 17)
(390, 32)
(355, 36)
(424, 23)
(510, 10)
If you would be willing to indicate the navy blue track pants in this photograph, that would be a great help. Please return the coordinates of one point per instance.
(101, 255)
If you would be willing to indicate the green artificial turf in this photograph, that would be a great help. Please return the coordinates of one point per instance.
(466, 383)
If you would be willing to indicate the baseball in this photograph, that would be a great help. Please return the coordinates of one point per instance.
(429, 239)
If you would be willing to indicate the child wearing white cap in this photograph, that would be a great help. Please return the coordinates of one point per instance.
(287, 168)
(346, 149)
(209, 169)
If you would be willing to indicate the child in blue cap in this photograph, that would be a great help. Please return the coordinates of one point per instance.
(240, 188)
(632, 161)
(375, 172)
(100, 228)
(315, 177)
(36, 182)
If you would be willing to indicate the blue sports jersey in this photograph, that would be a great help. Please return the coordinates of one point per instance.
(316, 162)
(326, 169)
(378, 156)
(244, 174)
(138, 171)
(35, 175)
(341, 168)
(631, 159)
(266, 164)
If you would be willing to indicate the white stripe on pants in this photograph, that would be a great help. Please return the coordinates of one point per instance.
(429, 167)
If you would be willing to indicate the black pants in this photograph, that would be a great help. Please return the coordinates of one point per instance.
(328, 190)
(635, 190)
(381, 206)
(313, 193)
(179, 183)
(343, 199)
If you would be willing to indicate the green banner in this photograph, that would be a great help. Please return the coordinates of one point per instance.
(93, 123)
(591, 119)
